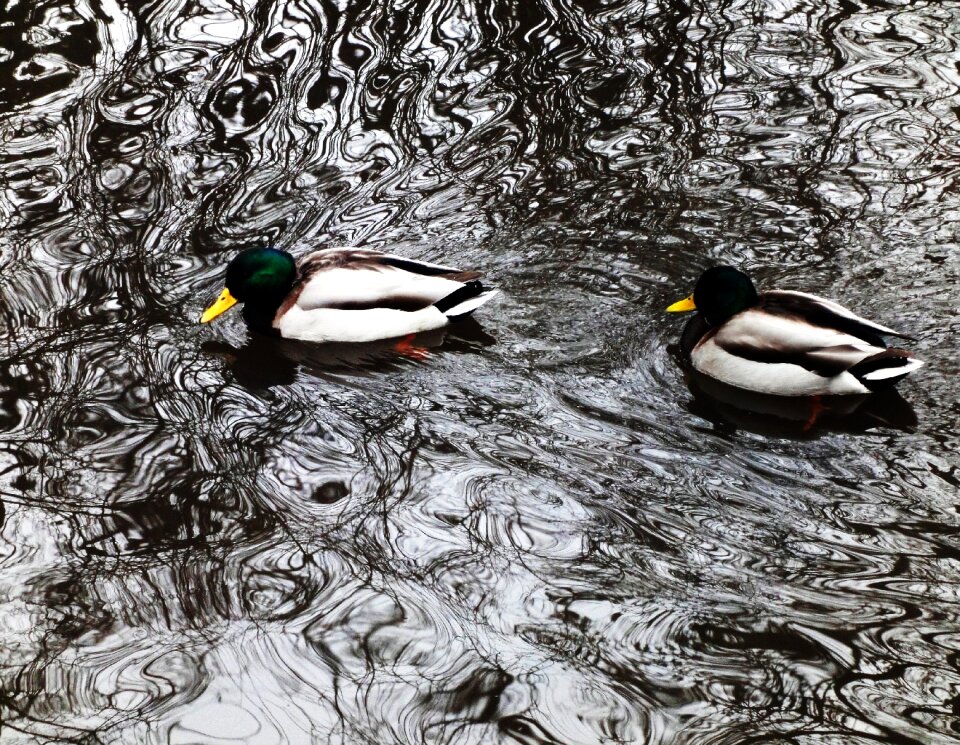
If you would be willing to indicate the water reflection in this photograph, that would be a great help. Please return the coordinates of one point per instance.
(263, 361)
(208, 536)
(797, 417)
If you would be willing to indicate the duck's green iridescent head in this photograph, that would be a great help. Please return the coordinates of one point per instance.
(721, 293)
(262, 276)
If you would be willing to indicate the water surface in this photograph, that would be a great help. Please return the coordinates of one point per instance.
(541, 534)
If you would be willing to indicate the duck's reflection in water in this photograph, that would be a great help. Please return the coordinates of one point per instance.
(265, 361)
(796, 416)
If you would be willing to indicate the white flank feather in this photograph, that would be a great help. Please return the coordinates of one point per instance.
(779, 378)
(330, 324)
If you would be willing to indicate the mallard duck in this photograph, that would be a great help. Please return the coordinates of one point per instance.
(785, 343)
(346, 294)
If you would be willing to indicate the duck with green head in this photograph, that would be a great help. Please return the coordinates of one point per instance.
(784, 342)
(346, 294)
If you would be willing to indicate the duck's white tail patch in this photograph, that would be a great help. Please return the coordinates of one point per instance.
(885, 373)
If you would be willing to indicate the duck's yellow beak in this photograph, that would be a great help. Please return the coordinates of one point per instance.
(682, 305)
(223, 303)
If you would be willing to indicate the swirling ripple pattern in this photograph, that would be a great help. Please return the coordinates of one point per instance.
(538, 535)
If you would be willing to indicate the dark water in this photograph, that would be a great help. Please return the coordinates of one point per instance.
(539, 535)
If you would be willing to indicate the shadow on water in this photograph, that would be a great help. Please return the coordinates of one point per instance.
(263, 361)
(802, 416)
(532, 535)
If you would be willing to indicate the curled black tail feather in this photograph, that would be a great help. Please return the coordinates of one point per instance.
(469, 290)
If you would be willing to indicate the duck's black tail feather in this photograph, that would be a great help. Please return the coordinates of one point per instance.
(885, 369)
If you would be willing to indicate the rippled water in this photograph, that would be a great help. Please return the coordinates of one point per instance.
(541, 534)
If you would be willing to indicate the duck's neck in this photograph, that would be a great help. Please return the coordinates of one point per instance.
(260, 318)
(260, 313)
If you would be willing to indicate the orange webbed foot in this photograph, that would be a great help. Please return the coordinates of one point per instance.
(816, 409)
(408, 349)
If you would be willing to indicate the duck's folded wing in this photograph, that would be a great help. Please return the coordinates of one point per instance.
(365, 258)
(427, 269)
(821, 312)
(761, 336)
(358, 279)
